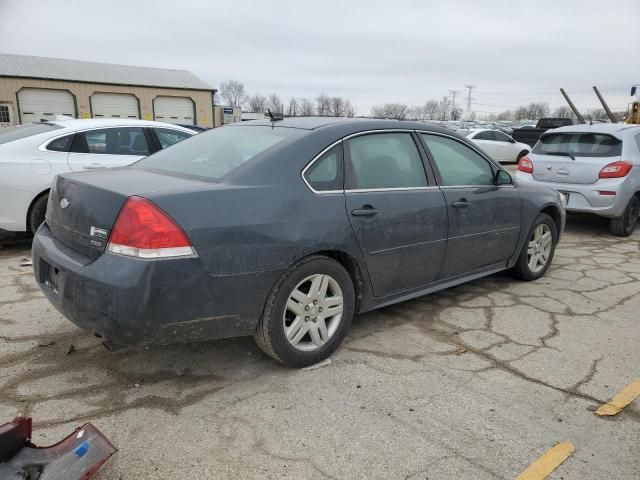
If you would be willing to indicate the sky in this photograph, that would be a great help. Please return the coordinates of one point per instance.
(370, 52)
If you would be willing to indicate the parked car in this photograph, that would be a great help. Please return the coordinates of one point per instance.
(497, 144)
(595, 167)
(530, 136)
(284, 230)
(32, 154)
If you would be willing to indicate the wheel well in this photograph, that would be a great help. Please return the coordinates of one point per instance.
(351, 266)
(554, 213)
(35, 199)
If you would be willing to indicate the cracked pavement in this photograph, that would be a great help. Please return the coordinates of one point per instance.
(472, 382)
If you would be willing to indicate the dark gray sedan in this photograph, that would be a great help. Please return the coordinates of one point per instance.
(284, 230)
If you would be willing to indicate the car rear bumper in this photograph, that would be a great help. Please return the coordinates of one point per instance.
(587, 197)
(127, 301)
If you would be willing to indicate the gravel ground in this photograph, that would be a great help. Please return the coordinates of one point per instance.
(474, 382)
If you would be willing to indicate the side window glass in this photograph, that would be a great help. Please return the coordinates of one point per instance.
(326, 173)
(168, 136)
(457, 163)
(62, 144)
(486, 135)
(638, 140)
(112, 141)
(384, 160)
(501, 137)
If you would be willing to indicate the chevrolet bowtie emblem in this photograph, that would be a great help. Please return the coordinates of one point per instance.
(64, 203)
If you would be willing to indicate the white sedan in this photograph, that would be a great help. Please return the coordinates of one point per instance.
(498, 145)
(32, 154)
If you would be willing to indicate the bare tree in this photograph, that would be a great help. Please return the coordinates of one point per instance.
(349, 110)
(456, 113)
(431, 108)
(232, 92)
(292, 109)
(274, 104)
(336, 106)
(257, 103)
(444, 108)
(397, 111)
(323, 104)
(521, 113)
(563, 112)
(538, 109)
(306, 107)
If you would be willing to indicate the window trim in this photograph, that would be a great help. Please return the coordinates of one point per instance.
(314, 160)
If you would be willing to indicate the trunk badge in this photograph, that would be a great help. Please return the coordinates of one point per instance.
(64, 203)
(548, 167)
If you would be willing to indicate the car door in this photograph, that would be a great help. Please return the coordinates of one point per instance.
(484, 219)
(507, 149)
(397, 213)
(485, 141)
(107, 148)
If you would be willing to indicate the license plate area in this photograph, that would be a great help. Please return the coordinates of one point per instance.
(50, 276)
(565, 197)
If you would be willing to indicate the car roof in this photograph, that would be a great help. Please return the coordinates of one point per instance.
(110, 122)
(345, 124)
(616, 129)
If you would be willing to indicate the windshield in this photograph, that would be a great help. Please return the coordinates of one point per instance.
(22, 131)
(553, 122)
(212, 155)
(579, 145)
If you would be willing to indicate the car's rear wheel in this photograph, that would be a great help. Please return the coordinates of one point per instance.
(308, 312)
(37, 212)
(624, 225)
(537, 251)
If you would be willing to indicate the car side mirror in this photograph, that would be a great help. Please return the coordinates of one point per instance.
(503, 178)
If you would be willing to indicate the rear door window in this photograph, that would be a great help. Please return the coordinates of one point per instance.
(487, 135)
(579, 144)
(62, 144)
(383, 161)
(111, 141)
(501, 137)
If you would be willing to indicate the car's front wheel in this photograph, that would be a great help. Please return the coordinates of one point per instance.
(537, 251)
(307, 313)
(624, 225)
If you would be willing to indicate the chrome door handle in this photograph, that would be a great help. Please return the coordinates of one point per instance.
(462, 203)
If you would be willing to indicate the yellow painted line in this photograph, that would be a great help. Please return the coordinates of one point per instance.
(548, 462)
(621, 400)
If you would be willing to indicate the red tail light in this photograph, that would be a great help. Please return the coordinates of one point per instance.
(616, 169)
(143, 230)
(525, 165)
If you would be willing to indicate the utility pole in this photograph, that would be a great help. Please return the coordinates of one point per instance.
(453, 101)
(469, 98)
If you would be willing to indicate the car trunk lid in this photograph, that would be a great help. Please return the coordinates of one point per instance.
(562, 169)
(83, 207)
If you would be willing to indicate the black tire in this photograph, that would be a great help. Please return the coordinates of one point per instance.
(520, 155)
(522, 270)
(270, 331)
(37, 212)
(624, 225)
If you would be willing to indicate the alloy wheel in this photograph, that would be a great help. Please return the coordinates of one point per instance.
(313, 312)
(539, 248)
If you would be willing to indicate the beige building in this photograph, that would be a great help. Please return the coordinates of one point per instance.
(34, 89)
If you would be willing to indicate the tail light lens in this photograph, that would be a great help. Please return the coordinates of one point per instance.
(143, 230)
(616, 169)
(525, 165)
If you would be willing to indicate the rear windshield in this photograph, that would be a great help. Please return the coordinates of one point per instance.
(212, 155)
(579, 144)
(22, 131)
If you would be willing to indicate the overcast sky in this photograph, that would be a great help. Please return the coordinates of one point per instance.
(368, 51)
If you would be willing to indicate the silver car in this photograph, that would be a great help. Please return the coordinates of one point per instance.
(596, 168)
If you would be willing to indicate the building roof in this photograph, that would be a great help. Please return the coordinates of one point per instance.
(105, 73)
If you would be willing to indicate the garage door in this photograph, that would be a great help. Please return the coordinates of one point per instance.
(174, 110)
(114, 105)
(38, 104)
